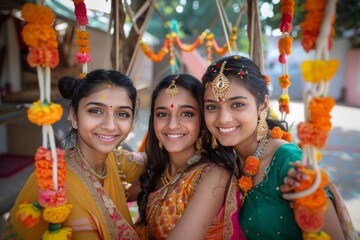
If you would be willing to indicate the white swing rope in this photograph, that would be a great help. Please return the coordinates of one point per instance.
(48, 137)
(317, 90)
(223, 26)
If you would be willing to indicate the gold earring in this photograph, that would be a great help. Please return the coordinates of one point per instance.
(199, 143)
(262, 128)
(161, 146)
(214, 143)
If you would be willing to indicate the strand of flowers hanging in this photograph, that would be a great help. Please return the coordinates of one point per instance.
(40, 37)
(284, 45)
(310, 200)
(83, 55)
(173, 37)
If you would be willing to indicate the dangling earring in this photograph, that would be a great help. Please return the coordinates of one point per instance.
(214, 143)
(262, 128)
(161, 146)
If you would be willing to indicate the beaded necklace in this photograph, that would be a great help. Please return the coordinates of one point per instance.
(252, 163)
(105, 171)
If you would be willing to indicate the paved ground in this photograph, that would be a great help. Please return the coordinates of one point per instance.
(341, 157)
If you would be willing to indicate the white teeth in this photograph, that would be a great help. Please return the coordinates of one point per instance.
(106, 137)
(174, 136)
(226, 130)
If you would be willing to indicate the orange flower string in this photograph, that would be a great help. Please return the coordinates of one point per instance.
(150, 54)
(189, 48)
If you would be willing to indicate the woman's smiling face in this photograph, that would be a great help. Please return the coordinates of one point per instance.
(234, 120)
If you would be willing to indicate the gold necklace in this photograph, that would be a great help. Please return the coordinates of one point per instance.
(167, 178)
(105, 171)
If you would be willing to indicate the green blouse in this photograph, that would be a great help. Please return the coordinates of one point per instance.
(265, 214)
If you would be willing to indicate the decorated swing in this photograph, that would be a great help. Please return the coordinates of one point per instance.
(309, 199)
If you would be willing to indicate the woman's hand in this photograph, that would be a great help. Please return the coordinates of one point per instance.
(294, 177)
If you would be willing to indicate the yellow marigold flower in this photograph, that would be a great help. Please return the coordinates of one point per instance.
(57, 214)
(315, 236)
(29, 214)
(55, 232)
(44, 114)
(315, 71)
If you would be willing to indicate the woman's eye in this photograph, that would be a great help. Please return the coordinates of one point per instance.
(187, 114)
(210, 107)
(95, 111)
(237, 105)
(160, 115)
(123, 114)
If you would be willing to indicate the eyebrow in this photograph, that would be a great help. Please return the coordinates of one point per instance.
(228, 99)
(103, 105)
(181, 106)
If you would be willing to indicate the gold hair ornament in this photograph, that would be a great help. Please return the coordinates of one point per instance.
(172, 90)
(220, 85)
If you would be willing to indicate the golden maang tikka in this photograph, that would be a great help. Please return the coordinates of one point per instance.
(220, 85)
(172, 90)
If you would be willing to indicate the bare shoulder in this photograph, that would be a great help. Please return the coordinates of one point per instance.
(216, 175)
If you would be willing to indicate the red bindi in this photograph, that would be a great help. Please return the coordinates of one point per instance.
(172, 105)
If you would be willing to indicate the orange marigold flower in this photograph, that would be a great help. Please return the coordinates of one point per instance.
(320, 112)
(37, 14)
(251, 165)
(37, 35)
(309, 220)
(43, 56)
(267, 79)
(246, 183)
(308, 134)
(287, 136)
(285, 45)
(276, 133)
(284, 81)
(287, 9)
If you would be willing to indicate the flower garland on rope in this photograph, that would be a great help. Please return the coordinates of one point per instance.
(168, 46)
(309, 199)
(52, 205)
(83, 55)
(284, 45)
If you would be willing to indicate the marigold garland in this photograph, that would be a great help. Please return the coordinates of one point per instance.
(309, 209)
(284, 46)
(40, 36)
(168, 46)
(42, 114)
(310, 27)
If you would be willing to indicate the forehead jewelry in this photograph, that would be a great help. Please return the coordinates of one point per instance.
(172, 90)
(220, 85)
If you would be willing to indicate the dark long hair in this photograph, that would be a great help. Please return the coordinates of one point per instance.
(75, 89)
(157, 158)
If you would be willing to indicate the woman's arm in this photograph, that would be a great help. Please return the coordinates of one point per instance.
(331, 223)
(203, 206)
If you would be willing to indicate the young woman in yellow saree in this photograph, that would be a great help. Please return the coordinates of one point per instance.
(101, 112)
